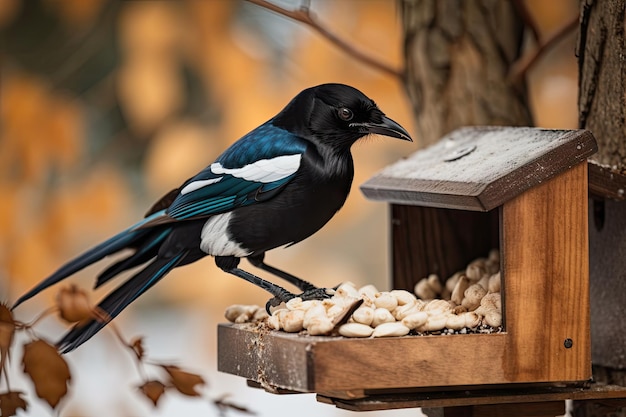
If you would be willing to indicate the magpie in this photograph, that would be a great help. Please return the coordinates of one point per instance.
(274, 187)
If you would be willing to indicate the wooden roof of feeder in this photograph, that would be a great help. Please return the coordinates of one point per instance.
(480, 168)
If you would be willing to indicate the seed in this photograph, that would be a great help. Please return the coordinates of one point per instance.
(347, 289)
(493, 318)
(386, 300)
(382, 315)
(355, 330)
(320, 326)
(415, 320)
(455, 322)
(391, 330)
(472, 296)
(423, 290)
(403, 296)
(435, 283)
(459, 290)
(368, 291)
(363, 315)
(434, 323)
(292, 321)
(438, 307)
(405, 310)
(495, 283)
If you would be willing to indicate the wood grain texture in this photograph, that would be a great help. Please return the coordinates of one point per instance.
(602, 82)
(606, 183)
(513, 395)
(546, 280)
(480, 168)
(347, 367)
(426, 240)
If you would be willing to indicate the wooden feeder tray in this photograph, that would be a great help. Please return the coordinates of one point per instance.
(522, 190)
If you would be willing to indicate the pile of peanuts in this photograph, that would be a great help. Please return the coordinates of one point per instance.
(469, 300)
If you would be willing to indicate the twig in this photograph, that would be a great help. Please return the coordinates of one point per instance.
(37, 319)
(3, 364)
(223, 405)
(138, 360)
(527, 17)
(521, 66)
(305, 16)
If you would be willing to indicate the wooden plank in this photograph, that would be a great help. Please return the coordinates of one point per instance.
(494, 165)
(347, 367)
(616, 395)
(267, 358)
(605, 182)
(546, 281)
(416, 361)
(427, 240)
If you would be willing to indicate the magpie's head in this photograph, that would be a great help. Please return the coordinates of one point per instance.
(337, 115)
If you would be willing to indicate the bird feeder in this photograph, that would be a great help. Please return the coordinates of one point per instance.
(520, 190)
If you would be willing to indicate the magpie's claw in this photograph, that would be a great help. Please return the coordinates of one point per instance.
(317, 294)
(274, 302)
(311, 294)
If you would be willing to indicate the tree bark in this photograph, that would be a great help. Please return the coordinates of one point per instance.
(602, 84)
(458, 55)
(602, 108)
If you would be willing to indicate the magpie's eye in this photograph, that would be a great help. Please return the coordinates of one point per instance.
(345, 114)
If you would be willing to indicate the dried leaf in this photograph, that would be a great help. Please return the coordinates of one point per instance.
(184, 382)
(137, 345)
(10, 402)
(48, 371)
(74, 304)
(153, 390)
(7, 328)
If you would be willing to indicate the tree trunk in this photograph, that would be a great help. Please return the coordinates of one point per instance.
(602, 84)
(458, 55)
(602, 107)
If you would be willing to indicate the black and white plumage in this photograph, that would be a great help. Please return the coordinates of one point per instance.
(275, 186)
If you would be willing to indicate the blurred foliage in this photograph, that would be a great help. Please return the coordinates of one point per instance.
(106, 105)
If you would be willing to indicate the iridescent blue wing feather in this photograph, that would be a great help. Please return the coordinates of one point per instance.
(263, 161)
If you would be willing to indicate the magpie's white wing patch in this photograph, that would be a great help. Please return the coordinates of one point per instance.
(193, 186)
(264, 170)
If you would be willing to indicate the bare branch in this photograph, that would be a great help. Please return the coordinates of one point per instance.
(531, 24)
(305, 16)
(37, 319)
(520, 68)
(118, 334)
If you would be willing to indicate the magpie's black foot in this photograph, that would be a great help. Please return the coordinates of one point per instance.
(277, 300)
(317, 294)
(311, 294)
(274, 302)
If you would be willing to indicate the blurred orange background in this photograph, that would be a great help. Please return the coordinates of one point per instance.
(107, 105)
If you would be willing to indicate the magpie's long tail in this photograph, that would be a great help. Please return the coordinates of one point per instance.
(119, 299)
(145, 240)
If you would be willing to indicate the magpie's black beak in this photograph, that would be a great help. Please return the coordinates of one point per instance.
(387, 128)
